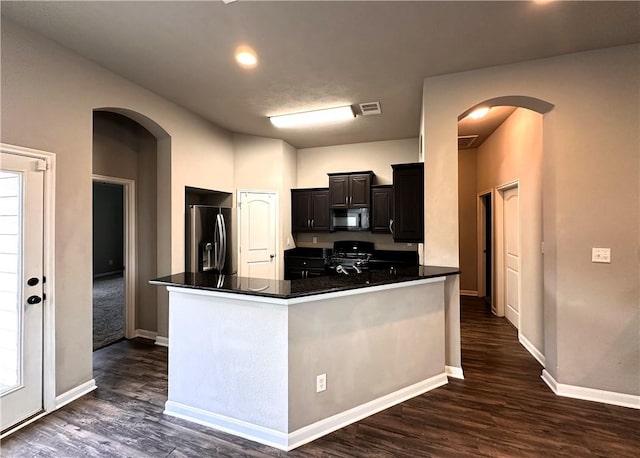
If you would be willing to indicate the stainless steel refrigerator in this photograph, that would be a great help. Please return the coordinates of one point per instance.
(208, 247)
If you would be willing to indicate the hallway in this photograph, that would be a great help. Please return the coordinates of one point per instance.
(502, 408)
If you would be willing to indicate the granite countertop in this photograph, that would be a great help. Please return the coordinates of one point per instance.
(289, 289)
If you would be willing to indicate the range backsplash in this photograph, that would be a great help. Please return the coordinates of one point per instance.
(326, 239)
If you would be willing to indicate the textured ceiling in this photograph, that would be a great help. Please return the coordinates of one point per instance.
(314, 54)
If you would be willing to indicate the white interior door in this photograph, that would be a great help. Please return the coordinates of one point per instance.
(21, 287)
(511, 255)
(258, 234)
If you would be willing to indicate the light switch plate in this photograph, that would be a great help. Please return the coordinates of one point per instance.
(601, 255)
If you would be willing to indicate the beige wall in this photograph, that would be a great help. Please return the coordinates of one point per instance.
(313, 164)
(124, 149)
(467, 193)
(514, 152)
(48, 98)
(591, 198)
(267, 164)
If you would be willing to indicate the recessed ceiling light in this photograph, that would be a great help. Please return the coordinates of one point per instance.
(479, 113)
(246, 57)
(323, 116)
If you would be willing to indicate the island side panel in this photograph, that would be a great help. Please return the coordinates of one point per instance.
(228, 357)
(369, 345)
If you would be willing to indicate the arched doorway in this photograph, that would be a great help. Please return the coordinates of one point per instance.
(506, 242)
(126, 160)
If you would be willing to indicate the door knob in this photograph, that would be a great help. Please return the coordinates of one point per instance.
(34, 300)
(33, 281)
(272, 256)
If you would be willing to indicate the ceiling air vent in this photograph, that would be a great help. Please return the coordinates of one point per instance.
(466, 141)
(370, 108)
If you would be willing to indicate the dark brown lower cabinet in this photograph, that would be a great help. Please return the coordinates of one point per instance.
(408, 202)
(296, 268)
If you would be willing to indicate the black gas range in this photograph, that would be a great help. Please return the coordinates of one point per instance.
(350, 256)
(346, 257)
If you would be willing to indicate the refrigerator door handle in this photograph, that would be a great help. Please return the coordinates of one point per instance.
(223, 242)
(216, 243)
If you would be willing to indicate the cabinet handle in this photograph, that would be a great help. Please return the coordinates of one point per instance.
(308, 223)
(346, 201)
(391, 226)
(312, 223)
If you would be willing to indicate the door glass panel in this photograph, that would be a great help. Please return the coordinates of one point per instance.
(10, 288)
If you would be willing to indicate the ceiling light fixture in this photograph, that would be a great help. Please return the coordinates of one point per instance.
(246, 57)
(479, 113)
(323, 116)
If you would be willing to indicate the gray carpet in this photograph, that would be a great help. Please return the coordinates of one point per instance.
(108, 310)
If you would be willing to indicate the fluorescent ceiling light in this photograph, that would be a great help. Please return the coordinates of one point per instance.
(479, 113)
(326, 115)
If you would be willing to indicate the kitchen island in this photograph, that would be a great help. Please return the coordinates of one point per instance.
(248, 355)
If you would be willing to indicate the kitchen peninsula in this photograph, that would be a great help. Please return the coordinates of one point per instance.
(283, 362)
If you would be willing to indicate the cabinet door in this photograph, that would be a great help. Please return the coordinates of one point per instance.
(359, 191)
(320, 210)
(381, 209)
(294, 273)
(300, 210)
(408, 202)
(338, 191)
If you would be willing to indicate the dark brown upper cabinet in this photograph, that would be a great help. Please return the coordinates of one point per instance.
(310, 210)
(408, 202)
(350, 190)
(381, 208)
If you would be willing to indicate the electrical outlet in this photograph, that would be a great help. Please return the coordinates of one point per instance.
(321, 383)
(601, 255)
(314, 240)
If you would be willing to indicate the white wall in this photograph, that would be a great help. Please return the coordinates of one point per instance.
(48, 98)
(591, 198)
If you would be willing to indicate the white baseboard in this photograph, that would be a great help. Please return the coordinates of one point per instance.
(75, 393)
(151, 335)
(289, 441)
(467, 292)
(590, 394)
(162, 341)
(531, 349)
(454, 372)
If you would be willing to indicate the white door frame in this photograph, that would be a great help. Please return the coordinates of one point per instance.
(129, 249)
(499, 296)
(49, 305)
(481, 227)
(239, 226)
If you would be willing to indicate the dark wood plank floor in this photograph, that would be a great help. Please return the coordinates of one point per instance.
(502, 408)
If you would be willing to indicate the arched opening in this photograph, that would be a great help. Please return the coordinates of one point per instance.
(126, 159)
(500, 159)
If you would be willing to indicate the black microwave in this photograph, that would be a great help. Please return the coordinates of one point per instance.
(350, 219)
